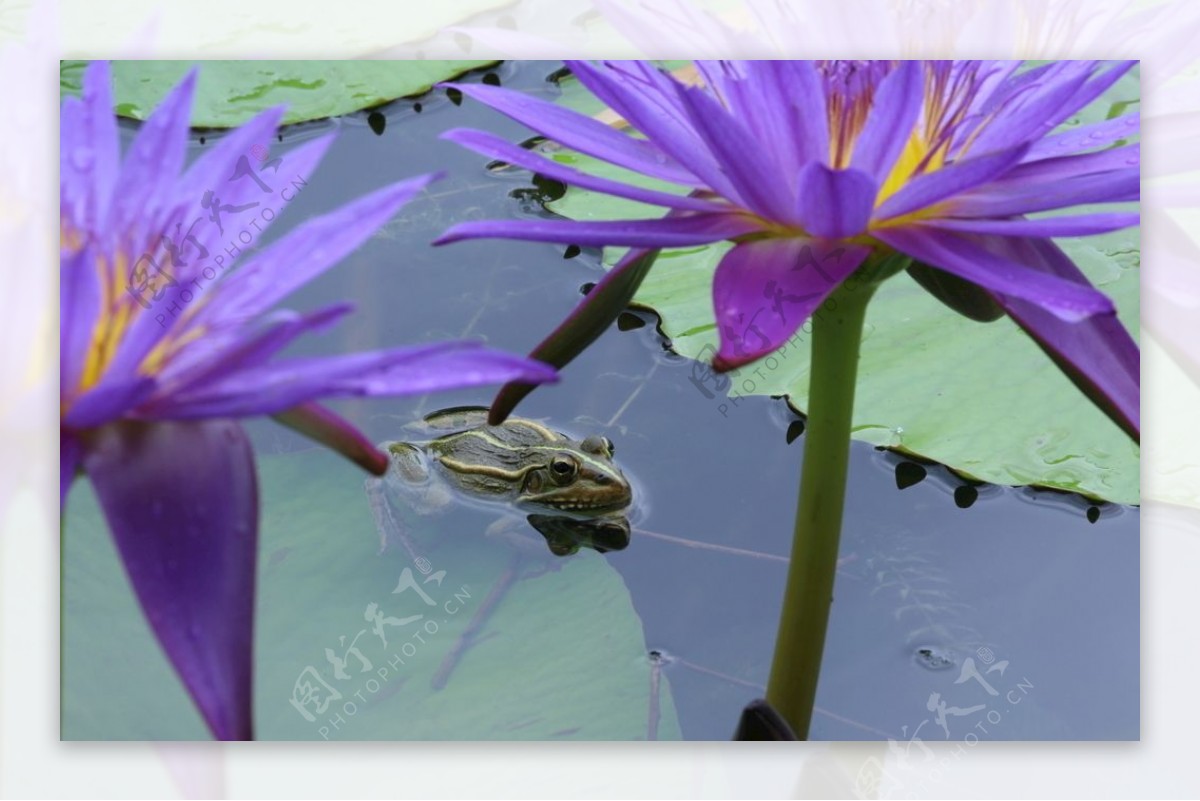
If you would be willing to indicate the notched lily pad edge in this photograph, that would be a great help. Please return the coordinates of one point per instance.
(67, 89)
(667, 344)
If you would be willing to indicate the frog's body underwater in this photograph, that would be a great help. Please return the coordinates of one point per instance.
(571, 490)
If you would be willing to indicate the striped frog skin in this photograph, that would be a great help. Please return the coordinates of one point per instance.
(571, 490)
(525, 463)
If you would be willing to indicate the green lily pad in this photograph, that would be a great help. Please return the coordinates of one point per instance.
(230, 92)
(980, 398)
(561, 656)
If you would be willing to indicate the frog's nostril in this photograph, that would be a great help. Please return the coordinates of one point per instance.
(603, 480)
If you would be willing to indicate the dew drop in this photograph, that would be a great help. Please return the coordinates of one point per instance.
(83, 158)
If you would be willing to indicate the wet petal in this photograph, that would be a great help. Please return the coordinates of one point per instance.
(308, 251)
(1011, 199)
(756, 180)
(181, 500)
(1085, 137)
(765, 97)
(1044, 227)
(222, 353)
(110, 399)
(79, 301)
(968, 258)
(497, 148)
(578, 132)
(161, 319)
(668, 232)
(145, 188)
(1097, 353)
(283, 384)
(954, 179)
(649, 101)
(894, 112)
(89, 151)
(835, 203)
(1057, 169)
(764, 290)
(1035, 114)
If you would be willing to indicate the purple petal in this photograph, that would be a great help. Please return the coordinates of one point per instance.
(756, 179)
(222, 353)
(335, 432)
(1008, 200)
(218, 162)
(108, 400)
(764, 290)
(667, 232)
(578, 132)
(1096, 85)
(925, 190)
(151, 168)
(834, 204)
(79, 299)
(591, 318)
(89, 150)
(805, 92)
(970, 258)
(307, 251)
(1044, 227)
(1039, 110)
(497, 148)
(283, 384)
(649, 101)
(1097, 354)
(181, 500)
(293, 172)
(894, 112)
(1085, 137)
(764, 96)
(147, 329)
(70, 453)
(1058, 169)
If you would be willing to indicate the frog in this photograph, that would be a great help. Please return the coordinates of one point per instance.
(571, 490)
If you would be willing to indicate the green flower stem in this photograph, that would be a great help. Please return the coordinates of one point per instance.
(836, 336)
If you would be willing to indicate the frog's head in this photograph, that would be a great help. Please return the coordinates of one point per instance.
(576, 478)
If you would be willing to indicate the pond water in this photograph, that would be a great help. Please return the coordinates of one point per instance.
(960, 611)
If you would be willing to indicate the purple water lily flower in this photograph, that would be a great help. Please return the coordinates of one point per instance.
(164, 346)
(811, 167)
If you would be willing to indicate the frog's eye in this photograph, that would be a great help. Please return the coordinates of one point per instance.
(608, 445)
(601, 446)
(563, 468)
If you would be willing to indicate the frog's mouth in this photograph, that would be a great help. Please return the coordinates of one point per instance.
(583, 507)
(597, 504)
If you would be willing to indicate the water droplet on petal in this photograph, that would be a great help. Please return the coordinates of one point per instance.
(82, 158)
